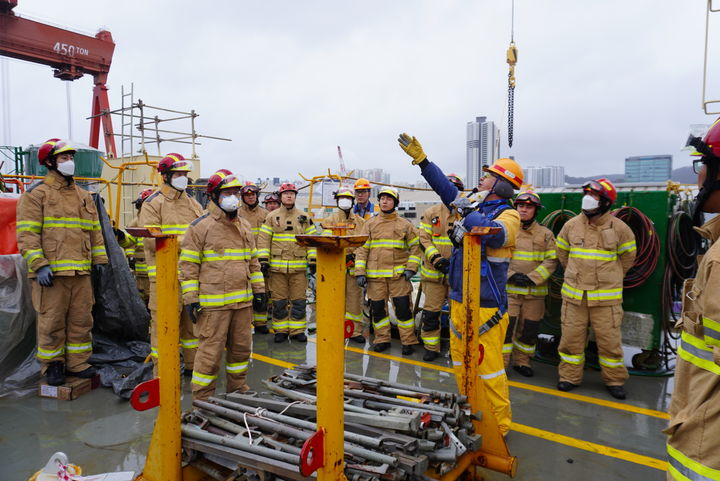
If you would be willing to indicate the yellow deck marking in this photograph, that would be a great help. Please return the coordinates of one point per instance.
(592, 447)
(529, 430)
(521, 385)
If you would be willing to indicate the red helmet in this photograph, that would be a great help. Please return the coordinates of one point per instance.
(220, 180)
(604, 187)
(272, 197)
(529, 197)
(712, 139)
(141, 198)
(455, 179)
(52, 148)
(173, 163)
(287, 187)
(248, 188)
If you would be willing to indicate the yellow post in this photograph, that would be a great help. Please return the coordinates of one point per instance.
(330, 313)
(494, 453)
(164, 455)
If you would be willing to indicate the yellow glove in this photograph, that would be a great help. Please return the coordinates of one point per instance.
(412, 147)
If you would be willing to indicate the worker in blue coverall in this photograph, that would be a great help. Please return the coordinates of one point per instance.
(491, 209)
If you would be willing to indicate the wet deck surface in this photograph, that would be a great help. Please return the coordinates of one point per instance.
(583, 435)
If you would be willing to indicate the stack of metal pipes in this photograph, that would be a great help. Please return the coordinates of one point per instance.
(393, 431)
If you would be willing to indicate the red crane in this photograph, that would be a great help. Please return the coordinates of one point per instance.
(71, 54)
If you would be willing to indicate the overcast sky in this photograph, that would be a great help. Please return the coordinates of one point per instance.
(288, 81)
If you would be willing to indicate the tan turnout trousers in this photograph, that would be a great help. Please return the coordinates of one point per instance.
(435, 296)
(188, 340)
(379, 291)
(525, 313)
(289, 302)
(353, 304)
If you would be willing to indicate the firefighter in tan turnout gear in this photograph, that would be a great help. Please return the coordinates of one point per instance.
(221, 283)
(135, 250)
(287, 261)
(596, 249)
(170, 209)
(533, 262)
(694, 429)
(385, 264)
(251, 211)
(345, 199)
(437, 246)
(58, 234)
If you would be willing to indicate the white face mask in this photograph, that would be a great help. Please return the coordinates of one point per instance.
(590, 203)
(67, 168)
(229, 203)
(180, 183)
(345, 203)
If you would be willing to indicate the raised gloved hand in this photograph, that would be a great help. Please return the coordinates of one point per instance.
(193, 310)
(260, 302)
(312, 268)
(361, 281)
(408, 274)
(264, 266)
(441, 264)
(45, 276)
(521, 280)
(412, 147)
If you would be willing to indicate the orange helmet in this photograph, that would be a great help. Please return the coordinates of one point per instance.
(173, 163)
(53, 147)
(528, 197)
(508, 169)
(361, 184)
(220, 180)
(287, 187)
(455, 179)
(603, 187)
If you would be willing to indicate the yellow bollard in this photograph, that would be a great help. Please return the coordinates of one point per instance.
(330, 312)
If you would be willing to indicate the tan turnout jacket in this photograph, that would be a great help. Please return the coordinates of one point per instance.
(433, 233)
(392, 246)
(277, 243)
(535, 256)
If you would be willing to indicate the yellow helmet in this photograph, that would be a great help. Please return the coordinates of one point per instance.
(391, 192)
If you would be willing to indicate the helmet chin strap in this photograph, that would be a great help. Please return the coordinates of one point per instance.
(710, 185)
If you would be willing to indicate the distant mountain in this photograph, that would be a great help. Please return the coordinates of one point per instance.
(683, 175)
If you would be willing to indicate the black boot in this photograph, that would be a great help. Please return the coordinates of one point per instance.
(407, 350)
(261, 329)
(85, 373)
(566, 386)
(55, 373)
(359, 339)
(429, 355)
(380, 347)
(526, 371)
(299, 337)
(618, 392)
(281, 337)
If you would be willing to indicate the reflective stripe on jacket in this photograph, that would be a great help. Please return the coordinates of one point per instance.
(135, 247)
(694, 426)
(391, 248)
(339, 217)
(535, 256)
(170, 210)
(596, 258)
(433, 232)
(255, 217)
(57, 225)
(277, 243)
(498, 247)
(217, 265)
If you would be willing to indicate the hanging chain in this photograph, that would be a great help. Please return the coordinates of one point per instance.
(511, 105)
(511, 60)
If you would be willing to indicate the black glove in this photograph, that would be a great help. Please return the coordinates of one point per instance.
(521, 280)
(260, 302)
(361, 281)
(119, 234)
(442, 264)
(131, 262)
(312, 267)
(349, 260)
(408, 274)
(302, 219)
(45, 276)
(264, 267)
(193, 311)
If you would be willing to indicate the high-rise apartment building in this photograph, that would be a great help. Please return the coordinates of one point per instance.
(483, 148)
(648, 168)
(373, 175)
(549, 176)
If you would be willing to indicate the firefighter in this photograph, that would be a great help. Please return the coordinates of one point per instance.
(345, 199)
(533, 261)
(385, 264)
(135, 251)
(271, 201)
(58, 234)
(434, 241)
(596, 249)
(251, 211)
(287, 261)
(221, 285)
(171, 209)
(491, 209)
(693, 446)
(363, 207)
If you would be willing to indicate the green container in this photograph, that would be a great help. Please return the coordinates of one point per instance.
(87, 162)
